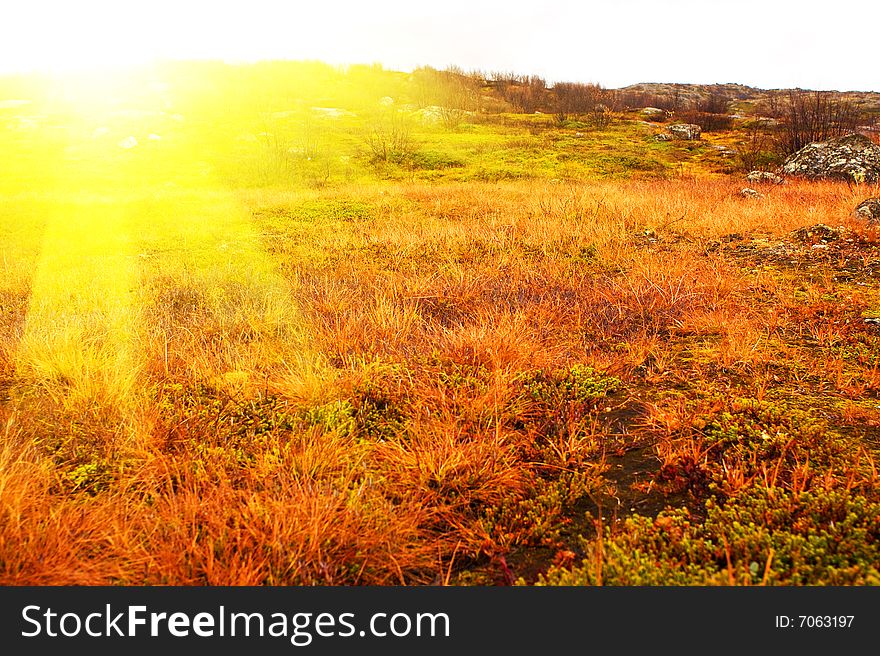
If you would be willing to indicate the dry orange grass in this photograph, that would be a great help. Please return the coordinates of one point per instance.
(412, 448)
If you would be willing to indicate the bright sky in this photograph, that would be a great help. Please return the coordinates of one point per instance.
(765, 43)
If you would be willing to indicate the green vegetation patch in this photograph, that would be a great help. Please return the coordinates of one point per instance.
(337, 416)
(767, 536)
(579, 384)
(325, 210)
(752, 440)
(377, 411)
(560, 402)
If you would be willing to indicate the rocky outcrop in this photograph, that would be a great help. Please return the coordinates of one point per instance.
(685, 131)
(767, 177)
(853, 158)
(869, 209)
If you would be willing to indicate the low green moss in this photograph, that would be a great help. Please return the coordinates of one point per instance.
(766, 536)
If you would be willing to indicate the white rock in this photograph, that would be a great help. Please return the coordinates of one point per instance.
(14, 102)
(331, 112)
(128, 143)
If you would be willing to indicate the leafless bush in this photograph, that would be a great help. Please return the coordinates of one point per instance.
(453, 91)
(757, 151)
(577, 98)
(708, 121)
(638, 99)
(389, 138)
(715, 103)
(808, 116)
(527, 93)
(601, 116)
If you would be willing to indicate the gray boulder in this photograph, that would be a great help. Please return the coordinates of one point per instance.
(869, 209)
(853, 158)
(748, 192)
(685, 131)
(654, 113)
(765, 176)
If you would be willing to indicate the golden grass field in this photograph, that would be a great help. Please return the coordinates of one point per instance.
(407, 379)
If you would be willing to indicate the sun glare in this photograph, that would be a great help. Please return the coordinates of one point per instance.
(125, 188)
(99, 36)
(78, 37)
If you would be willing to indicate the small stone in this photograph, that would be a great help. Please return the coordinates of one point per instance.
(765, 176)
(652, 112)
(686, 131)
(869, 209)
(748, 192)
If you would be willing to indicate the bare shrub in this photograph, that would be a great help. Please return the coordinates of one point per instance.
(757, 150)
(809, 116)
(389, 138)
(454, 92)
(527, 93)
(572, 98)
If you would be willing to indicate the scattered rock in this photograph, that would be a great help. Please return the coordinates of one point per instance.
(331, 112)
(765, 176)
(685, 131)
(869, 209)
(724, 151)
(853, 158)
(128, 143)
(14, 102)
(748, 192)
(430, 114)
(654, 113)
(816, 233)
(386, 101)
(663, 136)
